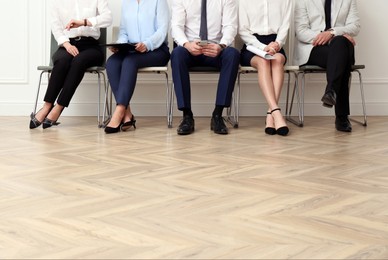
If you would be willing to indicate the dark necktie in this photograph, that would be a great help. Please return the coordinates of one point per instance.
(203, 27)
(328, 14)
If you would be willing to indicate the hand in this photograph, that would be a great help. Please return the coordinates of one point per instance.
(322, 38)
(71, 49)
(350, 38)
(74, 24)
(275, 46)
(193, 48)
(270, 50)
(141, 47)
(113, 49)
(211, 50)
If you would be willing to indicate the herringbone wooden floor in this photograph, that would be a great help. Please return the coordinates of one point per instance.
(74, 192)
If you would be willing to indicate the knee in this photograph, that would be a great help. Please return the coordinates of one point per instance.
(231, 54)
(179, 54)
(339, 42)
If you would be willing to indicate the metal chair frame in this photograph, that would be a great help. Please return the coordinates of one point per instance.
(299, 90)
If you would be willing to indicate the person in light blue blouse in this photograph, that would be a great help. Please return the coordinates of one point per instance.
(144, 23)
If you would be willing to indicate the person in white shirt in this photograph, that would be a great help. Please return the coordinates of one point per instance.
(324, 36)
(75, 26)
(264, 24)
(206, 45)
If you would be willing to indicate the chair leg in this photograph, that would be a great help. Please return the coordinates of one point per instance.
(170, 104)
(234, 105)
(362, 99)
(107, 104)
(299, 92)
(99, 123)
(37, 92)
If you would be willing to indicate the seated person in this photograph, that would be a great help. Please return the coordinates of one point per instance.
(148, 30)
(270, 37)
(75, 26)
(217, 31)
(325, 33)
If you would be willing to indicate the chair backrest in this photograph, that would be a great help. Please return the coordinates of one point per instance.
(54, 44)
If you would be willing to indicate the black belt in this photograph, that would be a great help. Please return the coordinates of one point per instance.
(78, 38)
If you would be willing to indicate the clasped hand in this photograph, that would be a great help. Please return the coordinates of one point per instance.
(210, 49)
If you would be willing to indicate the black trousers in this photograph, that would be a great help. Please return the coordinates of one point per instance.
(68, 71)
(337, 58)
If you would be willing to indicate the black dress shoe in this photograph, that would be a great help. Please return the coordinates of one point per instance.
(218, 126)
(186, 126)
(342, 124)
(329, 99)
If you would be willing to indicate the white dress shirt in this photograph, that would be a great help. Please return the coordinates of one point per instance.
(264, 17)
(62, 11)
(221, 20)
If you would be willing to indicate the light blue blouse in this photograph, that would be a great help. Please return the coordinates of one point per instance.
(147, 22)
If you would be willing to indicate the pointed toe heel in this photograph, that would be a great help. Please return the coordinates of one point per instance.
(129, 124)
(34, 123)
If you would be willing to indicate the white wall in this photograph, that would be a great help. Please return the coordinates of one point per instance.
(25, 45)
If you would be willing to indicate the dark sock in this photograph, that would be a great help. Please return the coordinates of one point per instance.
(187, 112)
(218, 111)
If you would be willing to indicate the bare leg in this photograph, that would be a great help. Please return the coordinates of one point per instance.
(270, 77)
(117, 116)
(43, 112)
(55, 112)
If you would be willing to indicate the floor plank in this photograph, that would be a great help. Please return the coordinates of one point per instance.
(72, 191)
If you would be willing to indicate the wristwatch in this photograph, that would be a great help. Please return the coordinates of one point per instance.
(223, 46)
(332, 32)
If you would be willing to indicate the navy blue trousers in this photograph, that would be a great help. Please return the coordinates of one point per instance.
(122, 70)
(227, 62)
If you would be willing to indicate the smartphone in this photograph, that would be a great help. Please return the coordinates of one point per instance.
(203, 43)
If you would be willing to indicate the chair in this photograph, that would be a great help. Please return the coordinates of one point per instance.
(233, 120)
(99, 70)
(299, 90)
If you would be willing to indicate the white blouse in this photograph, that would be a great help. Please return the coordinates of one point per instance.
(264, 17)
(62, 11)
(221, 20)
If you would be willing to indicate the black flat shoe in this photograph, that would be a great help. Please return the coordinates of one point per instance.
(269, 130)
(329, 99)
(112, 130)
(49, 122)
(218, 126)
(186, 126)
(343, 124)
(34, 122)
(128, 125)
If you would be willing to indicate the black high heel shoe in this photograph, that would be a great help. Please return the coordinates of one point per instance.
(283, 130)
(112, 130)
(128, 125)
(269, 130)
(49, 123)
